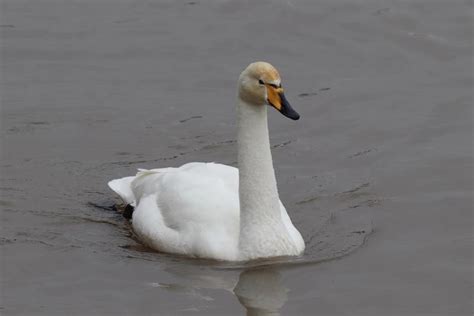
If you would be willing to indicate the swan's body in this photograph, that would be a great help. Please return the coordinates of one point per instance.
(215, 211)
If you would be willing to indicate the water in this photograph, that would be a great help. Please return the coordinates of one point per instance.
(375, 174)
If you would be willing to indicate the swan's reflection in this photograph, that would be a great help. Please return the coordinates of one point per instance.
(261, 291)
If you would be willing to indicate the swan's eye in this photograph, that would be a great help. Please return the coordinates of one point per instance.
(261, 82)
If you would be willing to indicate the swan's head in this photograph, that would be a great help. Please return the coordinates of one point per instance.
(260, 84)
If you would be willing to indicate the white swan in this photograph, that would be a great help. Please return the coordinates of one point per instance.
(210, 210)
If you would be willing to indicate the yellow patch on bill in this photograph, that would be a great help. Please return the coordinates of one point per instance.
(273, 95)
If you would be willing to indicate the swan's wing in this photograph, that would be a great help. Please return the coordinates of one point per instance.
(193, 209)
(198, 201)
(199, 196)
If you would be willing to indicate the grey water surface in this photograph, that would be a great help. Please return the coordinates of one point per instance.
(377, 173)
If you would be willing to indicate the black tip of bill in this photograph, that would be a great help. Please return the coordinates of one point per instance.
(287, 110)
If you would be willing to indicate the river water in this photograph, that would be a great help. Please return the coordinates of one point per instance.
(377, 173)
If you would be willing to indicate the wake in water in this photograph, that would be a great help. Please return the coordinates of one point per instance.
(328, 234)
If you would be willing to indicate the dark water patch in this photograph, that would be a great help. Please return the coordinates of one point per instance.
(178, 146)
(308, 200)
(360, 153)
(307, 94)
(353, 193)
(310, 94)
(190, 118)
(5, 240)
(138, 247)
(357, 188)
(134, 162)
(125, 211)
(282, 144)
(215, 145)
(38, 212)
(7, 26)
(33, 241)
(6, 203)
(381, 11)
(38, 123)
(110, 208)
(94, 220)
(122, 153)
(27, 127)
(367, 203)
(138, 258)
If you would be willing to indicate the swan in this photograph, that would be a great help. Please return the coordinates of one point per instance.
(215, 211)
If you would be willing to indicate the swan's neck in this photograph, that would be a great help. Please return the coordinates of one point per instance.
(260, 216)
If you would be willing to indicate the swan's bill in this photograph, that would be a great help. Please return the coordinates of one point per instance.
(277, 99)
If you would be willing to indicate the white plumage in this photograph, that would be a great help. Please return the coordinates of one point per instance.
(199, 210)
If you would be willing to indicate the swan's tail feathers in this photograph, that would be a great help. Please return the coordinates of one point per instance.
(123, 188)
